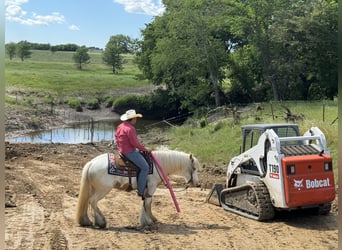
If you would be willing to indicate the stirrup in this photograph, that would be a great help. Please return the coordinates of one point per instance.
(143, 196)
(147, 196)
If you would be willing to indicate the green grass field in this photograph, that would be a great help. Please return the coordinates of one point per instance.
(57, 73)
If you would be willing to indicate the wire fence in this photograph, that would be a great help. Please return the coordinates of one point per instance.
(289, 111)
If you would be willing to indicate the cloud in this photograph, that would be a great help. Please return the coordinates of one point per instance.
(74, 27)
(146, 7)
(13, 9)
(15, 13)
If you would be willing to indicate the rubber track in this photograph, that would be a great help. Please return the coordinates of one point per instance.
(264, 206)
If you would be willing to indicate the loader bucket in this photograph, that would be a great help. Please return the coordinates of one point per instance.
(214, 195)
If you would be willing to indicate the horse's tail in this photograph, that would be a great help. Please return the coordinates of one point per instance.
(83, 197)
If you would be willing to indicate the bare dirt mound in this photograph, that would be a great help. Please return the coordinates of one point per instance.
(42, 184)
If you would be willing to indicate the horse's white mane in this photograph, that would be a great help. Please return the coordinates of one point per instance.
(166, 148)
(173, 158)
(162, 148)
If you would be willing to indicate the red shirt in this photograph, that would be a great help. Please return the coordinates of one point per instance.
(127, 139)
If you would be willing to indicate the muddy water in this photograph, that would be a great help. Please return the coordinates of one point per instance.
(83, 132)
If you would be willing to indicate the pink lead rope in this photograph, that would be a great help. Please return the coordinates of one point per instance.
(166, 179)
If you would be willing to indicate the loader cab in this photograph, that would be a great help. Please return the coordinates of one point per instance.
(251, 133)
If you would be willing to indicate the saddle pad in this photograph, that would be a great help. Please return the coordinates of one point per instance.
(115, 169)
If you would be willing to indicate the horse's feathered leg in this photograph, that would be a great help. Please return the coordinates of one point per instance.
(148, 209)
(146, 216)
(100, 220)
(150, 190)
(145, 219)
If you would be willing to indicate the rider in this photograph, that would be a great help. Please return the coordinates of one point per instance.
(129, 145)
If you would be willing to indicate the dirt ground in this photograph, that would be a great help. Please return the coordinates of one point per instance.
(42, 183)
(41, 190)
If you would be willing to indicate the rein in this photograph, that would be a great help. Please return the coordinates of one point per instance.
(181, 190)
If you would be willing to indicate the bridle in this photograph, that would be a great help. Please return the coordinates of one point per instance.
(193, 169)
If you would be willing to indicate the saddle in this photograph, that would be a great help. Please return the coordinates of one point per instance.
(118, 164)
(123, 162)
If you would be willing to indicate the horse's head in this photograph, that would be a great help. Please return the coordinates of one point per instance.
(192, 176)
(174, 162)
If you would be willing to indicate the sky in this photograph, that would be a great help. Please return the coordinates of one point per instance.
(82, 22)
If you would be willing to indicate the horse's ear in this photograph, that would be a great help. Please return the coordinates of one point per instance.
(191, 157)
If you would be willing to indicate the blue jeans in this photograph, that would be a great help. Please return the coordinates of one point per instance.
(141, 163)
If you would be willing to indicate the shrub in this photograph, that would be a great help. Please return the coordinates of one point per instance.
(75, 104)
(108, 101)
(158, 105)
(218, 126)
(34, 123)
(93, 103)
(49, 100)
(202, 122)
(315, 92)
(123, 103)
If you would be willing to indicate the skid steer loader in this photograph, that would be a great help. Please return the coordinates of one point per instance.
(277, 170)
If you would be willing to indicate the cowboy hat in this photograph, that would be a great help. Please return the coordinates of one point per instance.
(130, 114)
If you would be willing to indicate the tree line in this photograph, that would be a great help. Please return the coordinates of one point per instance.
(47, 46)
(112, 54)
(237, 51)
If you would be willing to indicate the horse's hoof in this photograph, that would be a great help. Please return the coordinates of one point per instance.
(150, 228)
(101, 225)
(86, 223)
(140, 228)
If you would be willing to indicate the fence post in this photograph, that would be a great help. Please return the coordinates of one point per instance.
(91, 130)
(323, 110)
(272, 110)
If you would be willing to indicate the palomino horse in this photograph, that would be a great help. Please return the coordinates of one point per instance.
(96, 183)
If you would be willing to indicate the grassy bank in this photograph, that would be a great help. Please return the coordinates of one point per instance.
(219, 141)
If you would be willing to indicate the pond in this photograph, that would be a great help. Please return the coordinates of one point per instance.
(83, 132)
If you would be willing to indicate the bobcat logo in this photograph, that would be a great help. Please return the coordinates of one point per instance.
(298, 183)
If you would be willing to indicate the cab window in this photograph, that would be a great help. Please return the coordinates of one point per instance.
(251, 138)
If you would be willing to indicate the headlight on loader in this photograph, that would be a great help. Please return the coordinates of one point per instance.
(328, 166)
(290, 169)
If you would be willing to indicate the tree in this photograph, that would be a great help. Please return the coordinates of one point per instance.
(305, 58)
(185, 49)
(294, 43)
(324, 30)
(23, 50)
(125, 43)
(116, 46)
(53, 49)
(81, 56)
(11, 50)
(252, 22)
